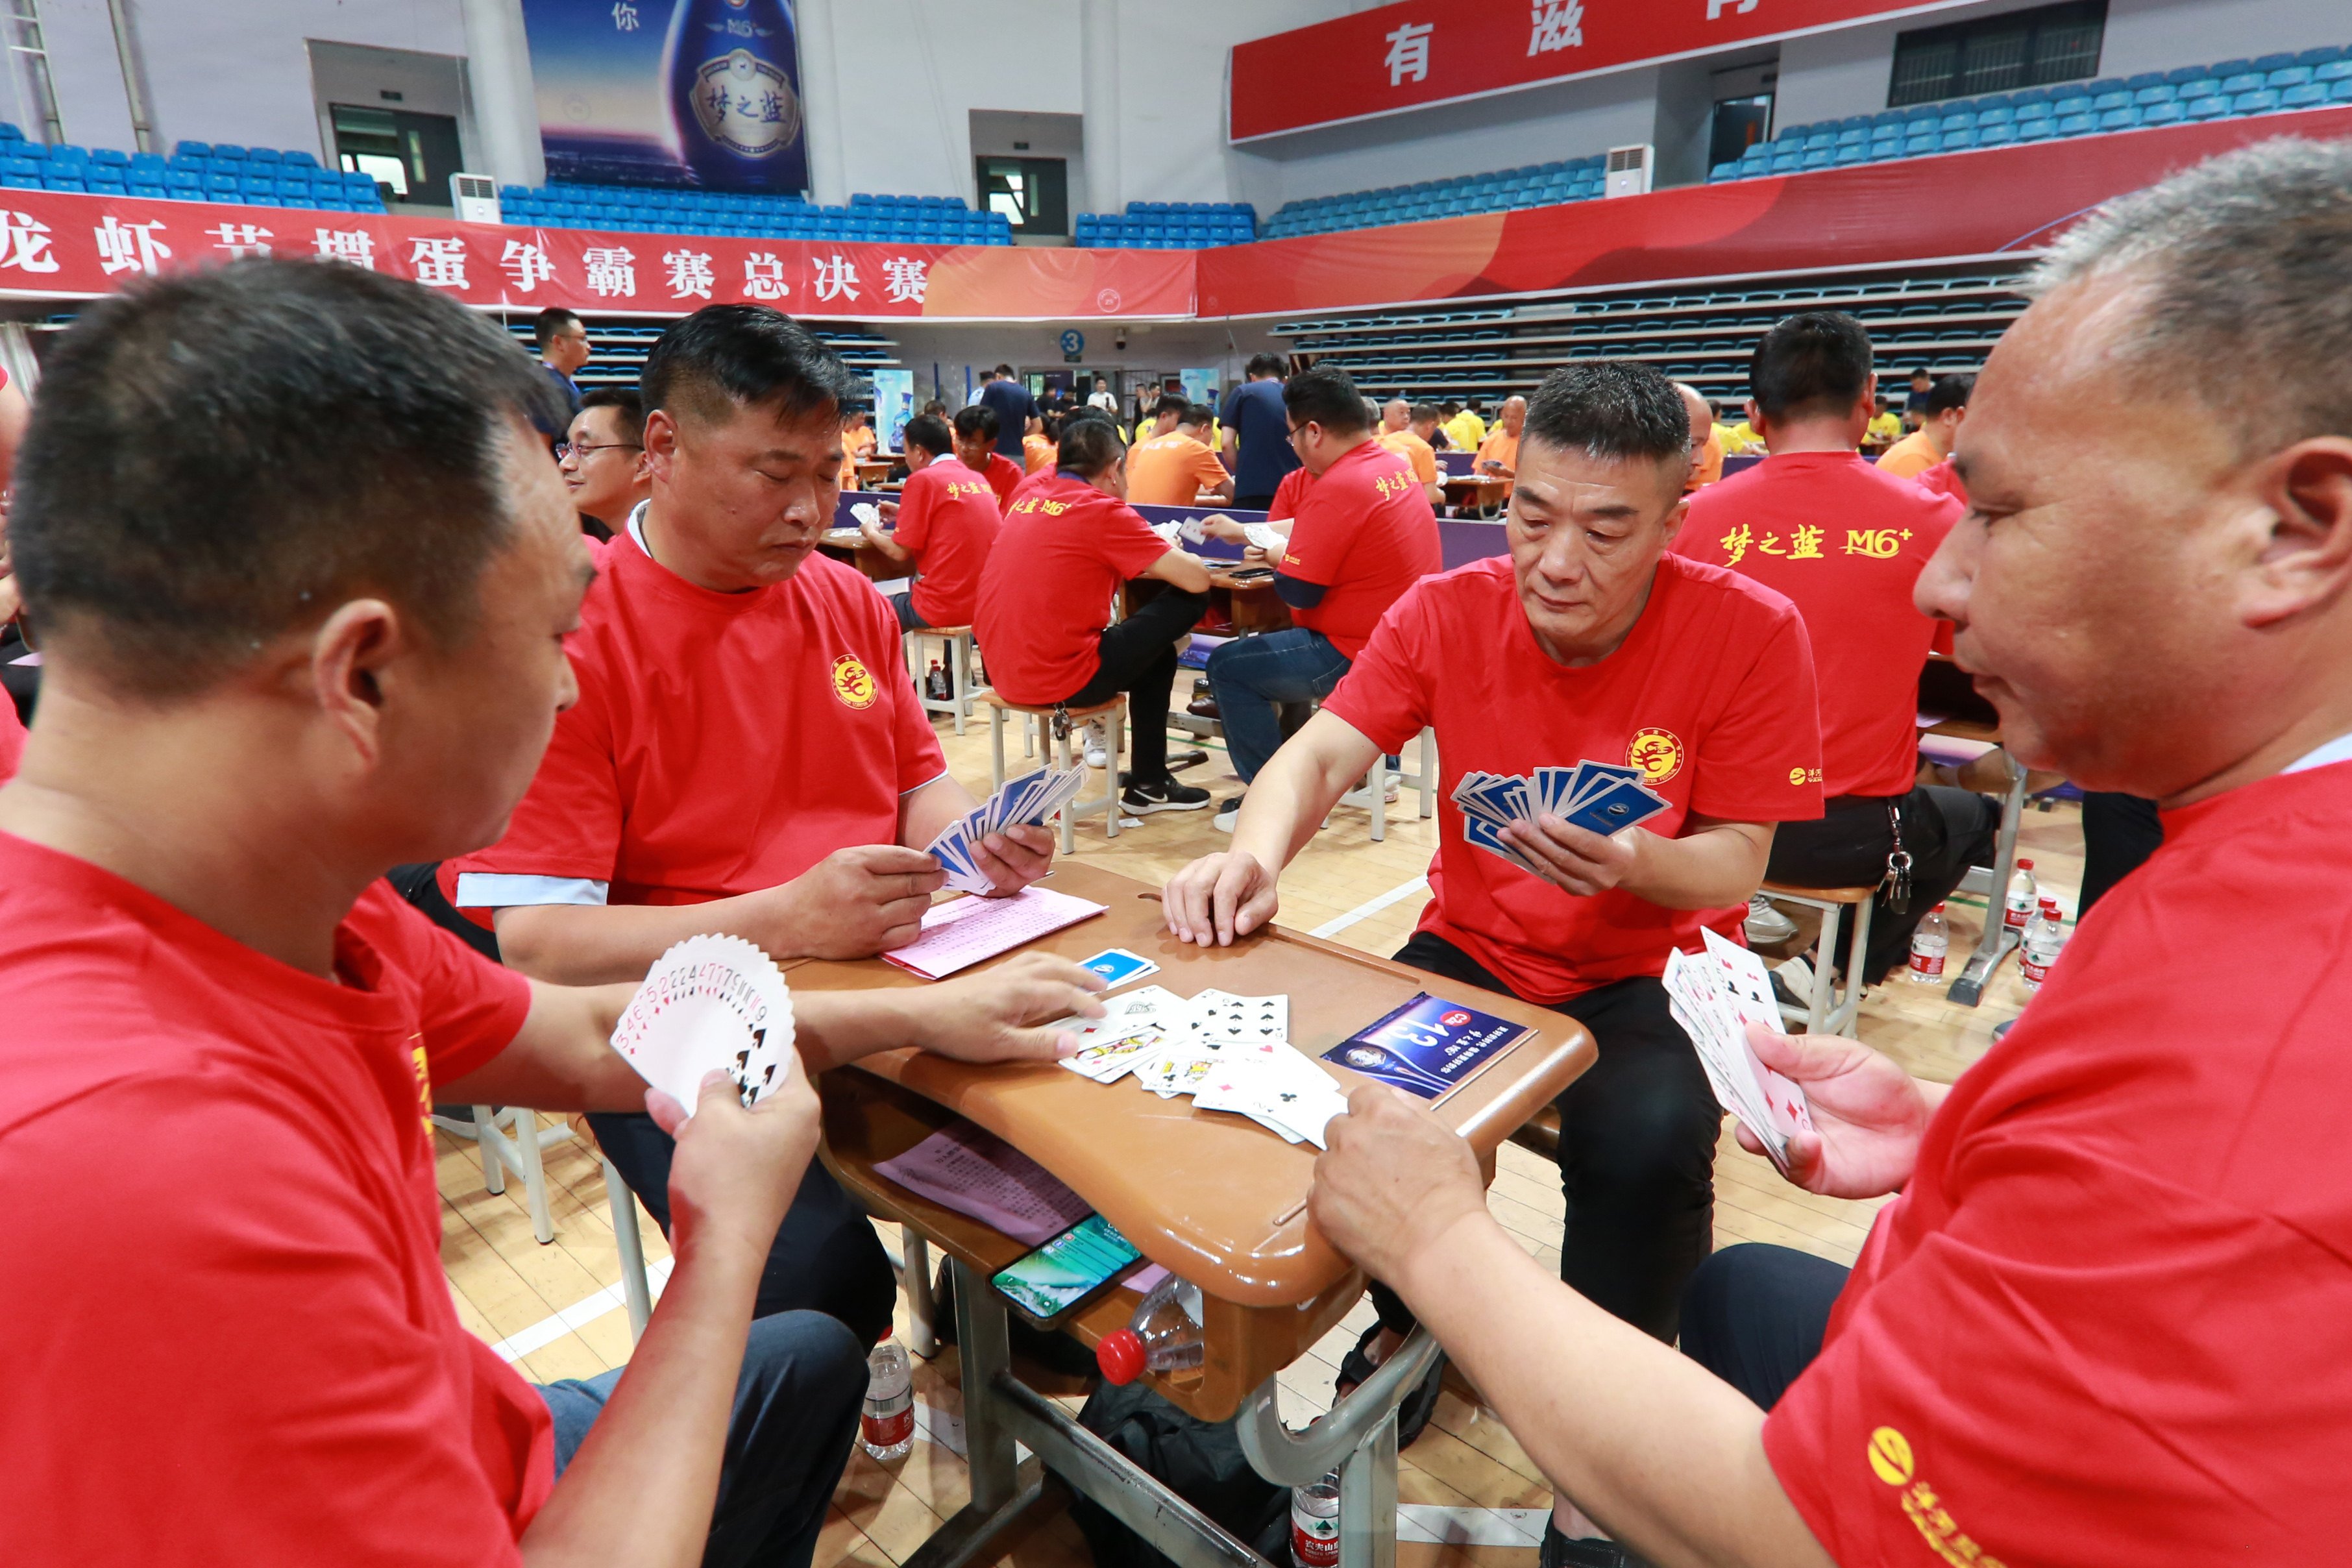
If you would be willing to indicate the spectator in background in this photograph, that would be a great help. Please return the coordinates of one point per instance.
(975, 447)
(1885, 427)
(1923, 448)
(1405, 429)
(1161, 421)
(935, 409)
(562, 350)
(1004, 396)
(857, 444)
(1914, 406)
(946, 520)
(1258, 434)
(1498, 454)
(1101, 397)
(1707, 446)
(1464, 428)
(1175, 469)
(1037, 449)
(603, 460)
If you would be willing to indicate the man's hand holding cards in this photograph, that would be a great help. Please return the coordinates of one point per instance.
(710, 1003)
(1504, 814)
(1715, 996)
(1016, 816)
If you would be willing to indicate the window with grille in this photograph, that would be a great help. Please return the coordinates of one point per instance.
(1998, 54)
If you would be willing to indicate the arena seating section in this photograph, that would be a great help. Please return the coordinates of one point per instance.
(913, 220)
(1169, 226)
(1945, 321)
(1537, 185)
(195, 172)
(617, 349)
(2313, 79)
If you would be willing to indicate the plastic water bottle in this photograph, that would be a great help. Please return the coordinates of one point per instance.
(1929, 943)
(2043, 938)
(1164, 1335)
(935, 684)
(2017, 909)
(1314, 1523)
(886, 1426)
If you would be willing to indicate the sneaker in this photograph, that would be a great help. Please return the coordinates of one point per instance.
(1227, 815)
(1765, 924)
(1142, 799)
(1098, 746)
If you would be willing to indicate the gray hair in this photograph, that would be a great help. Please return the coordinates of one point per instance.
(2244, 260)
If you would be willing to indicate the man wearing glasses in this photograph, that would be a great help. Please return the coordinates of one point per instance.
(603, 457)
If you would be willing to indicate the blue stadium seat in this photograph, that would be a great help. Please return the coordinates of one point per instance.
(2310, 95)
(184, 183)
(2333, 71)
(2238, 82)
(2100, 104)
(228, 149)
(2039, 130)
(110, 158)
(2262, 101)
(2144, 79)
(2340, 91)
(1997, 135)
(2269, 63)
(2327, 54)
(2163, 114)
(2077, 125)
(264, 155)
(1958, 141)
(2185, 74)
(2211, 107)
(2286, 77)
(301, 160)
(2227, 69)
(2148, 97)
(2124, 119)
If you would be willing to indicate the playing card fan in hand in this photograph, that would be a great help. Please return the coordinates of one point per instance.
(709, 1002)
(1023, 801)
(1599, 797)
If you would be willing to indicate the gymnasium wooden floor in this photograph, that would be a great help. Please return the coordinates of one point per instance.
(555, 1309)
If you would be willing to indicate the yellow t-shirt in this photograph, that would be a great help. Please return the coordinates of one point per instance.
(1465, 430)
(1740, 438)
(1887, 426)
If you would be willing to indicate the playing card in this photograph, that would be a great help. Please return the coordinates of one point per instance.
(1483, 835)
(1614, 806)
(1264, 537)
(1220, 1017)
(1108, 1050)
(867, 511)
(1116, 965)
(709, 1002)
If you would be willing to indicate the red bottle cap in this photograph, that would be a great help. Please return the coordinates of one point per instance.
(1120, 1355)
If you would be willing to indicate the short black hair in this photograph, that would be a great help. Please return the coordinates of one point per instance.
(976, 420)
(1325, 396)
(1089, 446)
(935, 406)
(1422, 413)
(1921, 372)
(930, 432)
(1266, 364)
(1812, 364)
(550, 321)
(1199, 414)
(1004, 371)
(1611, 410)
(725, 357)
(219, 458)
(1170, 402)
(1450, 409)
(632, 407)
(1949, 392)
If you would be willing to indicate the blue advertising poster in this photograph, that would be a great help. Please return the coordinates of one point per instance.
(678, 92)
(894, 405)
(1426, 1046)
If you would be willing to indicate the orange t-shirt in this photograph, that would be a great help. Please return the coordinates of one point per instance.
(1910, 456)
(1414, 450)
(1707, 468)
(1501, 447)
(1170, 470)
(1037, 453)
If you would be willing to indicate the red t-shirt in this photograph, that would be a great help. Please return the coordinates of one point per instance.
(2110, 1317)
(722, 743)
(1046, 595)
(1365, 532)
(225, 1335)
(947, 519)
(1288, 494)
(12, 738)
(1004, 477)
(1845, 540)
(1711, 695)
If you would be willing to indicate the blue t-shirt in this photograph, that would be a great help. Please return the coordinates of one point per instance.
(1254, 413)
(1014, 408)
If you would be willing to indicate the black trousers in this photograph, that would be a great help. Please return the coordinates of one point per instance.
(1946, 831)
(2119, 831)
(826, 1257)
(1254, 503)
(1636, 1150)
(1755, 1316)
(1138, 658)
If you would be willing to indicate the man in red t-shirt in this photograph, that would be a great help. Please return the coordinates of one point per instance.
(1845, 540)
(2107, 1317)
(747, 756)
(1589, 640)
(975, 447)
(1362, 537)
(942, 524)
(1068, 543)
(229, 1340)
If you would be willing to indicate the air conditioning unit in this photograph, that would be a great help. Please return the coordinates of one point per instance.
(476, 197)
(1629, 171)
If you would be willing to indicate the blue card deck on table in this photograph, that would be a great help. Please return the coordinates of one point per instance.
(1428, 1046)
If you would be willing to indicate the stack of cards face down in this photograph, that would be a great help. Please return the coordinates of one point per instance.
(1712, 996)
(1598, 796)
(1026, 802)
(709, 1002)
(1229, 1053)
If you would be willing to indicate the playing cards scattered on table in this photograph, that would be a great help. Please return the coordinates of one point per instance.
(1597, 797)
(1024, 802)
(709, 1002)
(1714, 996)
(1229, 1053)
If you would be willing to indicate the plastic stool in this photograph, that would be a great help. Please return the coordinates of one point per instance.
(1107, 802)
(1822, 1017)
(956, 642)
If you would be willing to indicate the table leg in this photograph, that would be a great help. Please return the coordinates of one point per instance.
(984, 1351)
(1367, 1500)
(1998, 938)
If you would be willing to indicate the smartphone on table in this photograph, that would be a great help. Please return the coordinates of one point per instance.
(1067, 1271)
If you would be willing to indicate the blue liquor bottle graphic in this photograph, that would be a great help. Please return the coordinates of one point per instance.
(733, 70)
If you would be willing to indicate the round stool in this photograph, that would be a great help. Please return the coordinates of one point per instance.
(1114, 714)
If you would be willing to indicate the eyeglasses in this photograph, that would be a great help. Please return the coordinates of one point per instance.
(566, 448)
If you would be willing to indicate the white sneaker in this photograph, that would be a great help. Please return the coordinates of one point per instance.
(1097, 746)
(1765, 924)
(1227, 815)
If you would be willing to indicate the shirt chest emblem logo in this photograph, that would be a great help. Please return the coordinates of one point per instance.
(1657, 752)
(853, 683)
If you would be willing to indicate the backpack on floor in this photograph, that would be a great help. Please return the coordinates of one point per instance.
(1200, 1461)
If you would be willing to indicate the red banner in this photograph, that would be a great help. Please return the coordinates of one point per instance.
(1429, 51)
(1961, 205)
(60, 244)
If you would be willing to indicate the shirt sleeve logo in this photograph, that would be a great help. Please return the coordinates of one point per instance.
(1657, 752)
(1892, 1461)
(853, 683)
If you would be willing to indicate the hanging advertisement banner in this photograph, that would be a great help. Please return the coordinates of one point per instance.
(894, 405)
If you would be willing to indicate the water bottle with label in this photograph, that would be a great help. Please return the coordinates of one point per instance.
(2017, 909)
(1163, 1336)
(2043, 938)
(887, 1425)
(733, 69)
(1929, 944)
(1314, 1523)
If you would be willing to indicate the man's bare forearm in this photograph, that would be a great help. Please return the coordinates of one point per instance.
(1713, 868)
(598, 945)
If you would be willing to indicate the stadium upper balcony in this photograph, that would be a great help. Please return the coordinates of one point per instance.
(2313, 79)
(656, 209)
(196, 172)
(1536, 185)
(1169, 226)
